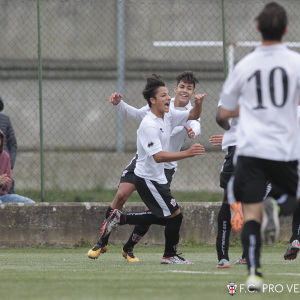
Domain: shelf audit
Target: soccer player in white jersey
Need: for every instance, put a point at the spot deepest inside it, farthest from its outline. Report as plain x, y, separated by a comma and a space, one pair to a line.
153, 138
184, 90
229, 216
263, 90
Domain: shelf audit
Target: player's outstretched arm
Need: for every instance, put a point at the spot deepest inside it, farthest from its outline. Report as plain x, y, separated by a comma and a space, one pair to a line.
222, 123
195, 112
164, 156
126, 109
224, 114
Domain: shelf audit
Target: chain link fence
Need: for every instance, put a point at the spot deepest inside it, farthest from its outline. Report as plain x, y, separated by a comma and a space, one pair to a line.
92, 48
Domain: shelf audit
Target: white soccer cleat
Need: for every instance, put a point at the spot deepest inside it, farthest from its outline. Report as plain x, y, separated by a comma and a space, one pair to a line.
175, 260
223, 264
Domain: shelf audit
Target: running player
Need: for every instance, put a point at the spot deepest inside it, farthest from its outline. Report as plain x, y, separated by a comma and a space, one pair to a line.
154, 85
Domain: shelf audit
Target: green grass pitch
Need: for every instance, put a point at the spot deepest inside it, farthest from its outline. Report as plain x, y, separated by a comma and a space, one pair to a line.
68, 274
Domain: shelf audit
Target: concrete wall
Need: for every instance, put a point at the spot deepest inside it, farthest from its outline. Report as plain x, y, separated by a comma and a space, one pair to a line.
61, 224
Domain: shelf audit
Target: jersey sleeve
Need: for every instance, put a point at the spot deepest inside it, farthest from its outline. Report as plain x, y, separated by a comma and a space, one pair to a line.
231, 91
195, 125
132, 112
179, 118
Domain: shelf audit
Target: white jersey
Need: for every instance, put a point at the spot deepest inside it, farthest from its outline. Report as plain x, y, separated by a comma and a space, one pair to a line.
266, 85
229, 137
179, 133
154, 136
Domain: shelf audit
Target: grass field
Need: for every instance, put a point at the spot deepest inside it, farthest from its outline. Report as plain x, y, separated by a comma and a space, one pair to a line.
67, 274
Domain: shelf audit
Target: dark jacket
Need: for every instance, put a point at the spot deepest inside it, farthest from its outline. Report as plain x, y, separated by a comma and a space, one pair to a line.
4, 166
10, 145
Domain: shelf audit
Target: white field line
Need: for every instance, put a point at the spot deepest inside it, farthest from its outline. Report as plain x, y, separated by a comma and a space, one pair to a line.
223, 273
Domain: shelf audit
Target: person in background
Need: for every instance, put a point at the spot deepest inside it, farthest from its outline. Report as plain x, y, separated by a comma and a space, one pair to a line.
5, 177
10, 145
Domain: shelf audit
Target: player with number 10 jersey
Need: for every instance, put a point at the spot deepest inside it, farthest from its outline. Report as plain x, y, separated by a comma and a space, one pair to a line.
268, 81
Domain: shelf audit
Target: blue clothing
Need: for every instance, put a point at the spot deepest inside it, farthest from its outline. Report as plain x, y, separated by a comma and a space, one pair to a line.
14, 198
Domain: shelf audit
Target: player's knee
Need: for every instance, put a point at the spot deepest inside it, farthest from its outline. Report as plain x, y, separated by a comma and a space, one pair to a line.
121, 198
176, 219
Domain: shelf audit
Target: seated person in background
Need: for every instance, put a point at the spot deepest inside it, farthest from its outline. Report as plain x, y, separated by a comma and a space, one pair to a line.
5, 177
10, 144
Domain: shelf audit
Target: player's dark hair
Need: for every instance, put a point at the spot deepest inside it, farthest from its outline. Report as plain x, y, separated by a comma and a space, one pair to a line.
187, 77
152, 85
272, 22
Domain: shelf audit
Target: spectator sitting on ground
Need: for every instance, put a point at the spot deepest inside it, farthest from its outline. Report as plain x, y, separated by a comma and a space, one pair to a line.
5, 177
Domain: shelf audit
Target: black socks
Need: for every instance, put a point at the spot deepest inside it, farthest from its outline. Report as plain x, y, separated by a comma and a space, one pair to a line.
224, 227
296, 224
142, 218
251, 241
138, 232
172, 235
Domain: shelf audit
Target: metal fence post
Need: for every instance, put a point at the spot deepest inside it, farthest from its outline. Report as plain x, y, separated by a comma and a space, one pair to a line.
40, 102
121, 71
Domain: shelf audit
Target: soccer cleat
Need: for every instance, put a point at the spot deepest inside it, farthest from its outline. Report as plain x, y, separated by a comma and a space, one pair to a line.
254, 283
241, 261
97, 250
175, 260
270, 223
223, 264
237, 216
292, 250
129, 255
112, 222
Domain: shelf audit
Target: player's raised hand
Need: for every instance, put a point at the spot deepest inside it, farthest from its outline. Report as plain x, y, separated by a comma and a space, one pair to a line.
216, 140
196, 149
115, 98
199, 98
190, 132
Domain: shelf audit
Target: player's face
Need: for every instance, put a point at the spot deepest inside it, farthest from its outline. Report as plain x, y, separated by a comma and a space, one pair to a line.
184, 92
161, 102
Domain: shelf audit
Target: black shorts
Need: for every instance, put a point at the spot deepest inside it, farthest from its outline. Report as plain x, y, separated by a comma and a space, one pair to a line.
157, 197
227, 168
127, 175
169, 175
252, 174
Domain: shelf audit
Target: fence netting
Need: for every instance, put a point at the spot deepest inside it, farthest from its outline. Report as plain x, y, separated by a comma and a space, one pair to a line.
92, 48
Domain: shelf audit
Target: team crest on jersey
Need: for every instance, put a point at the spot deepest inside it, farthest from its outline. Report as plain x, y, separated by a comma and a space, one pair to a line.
173, 202
124, 173
231, 288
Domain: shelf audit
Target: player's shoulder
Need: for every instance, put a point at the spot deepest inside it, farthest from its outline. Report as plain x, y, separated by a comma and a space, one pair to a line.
149, 120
